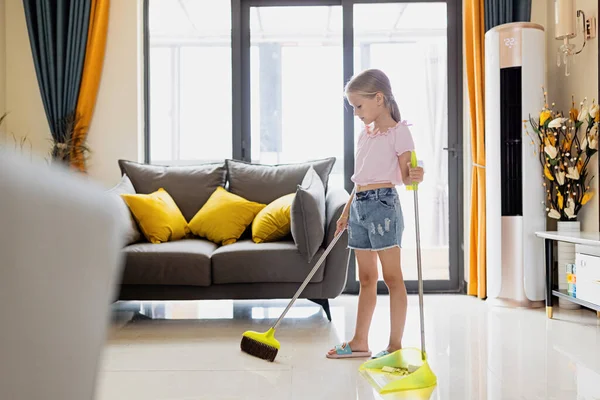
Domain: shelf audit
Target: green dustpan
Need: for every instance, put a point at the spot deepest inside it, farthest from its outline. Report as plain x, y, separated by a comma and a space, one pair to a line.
420, 375
388, 382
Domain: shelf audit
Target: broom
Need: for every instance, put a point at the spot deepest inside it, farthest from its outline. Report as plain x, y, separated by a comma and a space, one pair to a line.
264, 345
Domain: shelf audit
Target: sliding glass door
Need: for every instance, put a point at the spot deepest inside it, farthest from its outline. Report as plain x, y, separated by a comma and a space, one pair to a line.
409, 41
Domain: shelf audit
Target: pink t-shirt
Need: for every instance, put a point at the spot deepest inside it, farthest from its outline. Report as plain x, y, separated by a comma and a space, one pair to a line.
377, 155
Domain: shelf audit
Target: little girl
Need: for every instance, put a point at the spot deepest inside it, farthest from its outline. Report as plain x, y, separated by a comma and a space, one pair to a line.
373, 214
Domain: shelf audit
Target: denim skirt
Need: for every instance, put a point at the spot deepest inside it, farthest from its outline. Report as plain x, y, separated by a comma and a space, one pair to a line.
375, 221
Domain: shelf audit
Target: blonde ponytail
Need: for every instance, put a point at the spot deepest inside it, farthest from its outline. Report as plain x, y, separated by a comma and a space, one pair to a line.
394, 109
370, 82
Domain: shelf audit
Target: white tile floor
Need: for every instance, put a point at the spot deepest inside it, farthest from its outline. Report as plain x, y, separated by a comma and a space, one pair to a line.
476, 351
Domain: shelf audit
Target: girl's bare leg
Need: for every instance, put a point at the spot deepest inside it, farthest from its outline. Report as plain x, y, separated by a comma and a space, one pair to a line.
367, 299
392, 275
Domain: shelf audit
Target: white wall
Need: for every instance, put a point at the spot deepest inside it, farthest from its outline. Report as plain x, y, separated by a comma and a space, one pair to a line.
23, 102
116, 130
582, 82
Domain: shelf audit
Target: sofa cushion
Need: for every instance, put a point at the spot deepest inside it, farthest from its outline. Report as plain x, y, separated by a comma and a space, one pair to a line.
249, 262
190, 186
132, 233
224, 217
184, 262
308, 215
272, 223
264, 183
158, 216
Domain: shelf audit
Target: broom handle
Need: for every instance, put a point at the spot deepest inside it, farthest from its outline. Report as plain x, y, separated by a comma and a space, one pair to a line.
308, 278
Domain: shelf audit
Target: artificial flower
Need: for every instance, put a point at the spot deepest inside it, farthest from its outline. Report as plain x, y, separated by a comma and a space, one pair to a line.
573, 113
548, 174
564, 151
573, 173
560, 177
560, 200
570, 210
583, 114
584, 143
593, 143
554, 214
544, 116
556, 122
567, 143
587, 196
551, 151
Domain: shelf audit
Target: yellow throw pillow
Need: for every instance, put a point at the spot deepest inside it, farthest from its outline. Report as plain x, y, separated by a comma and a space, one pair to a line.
157, 215
273, 222
224, 217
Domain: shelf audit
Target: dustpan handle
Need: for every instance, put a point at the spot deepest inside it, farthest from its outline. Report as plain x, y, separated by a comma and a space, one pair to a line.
415, 189
308, 278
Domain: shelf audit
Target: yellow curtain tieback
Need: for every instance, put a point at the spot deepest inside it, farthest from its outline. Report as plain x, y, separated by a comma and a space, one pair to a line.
478, 165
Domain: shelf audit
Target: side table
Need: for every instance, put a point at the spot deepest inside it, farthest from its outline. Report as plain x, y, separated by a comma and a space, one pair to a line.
587, 239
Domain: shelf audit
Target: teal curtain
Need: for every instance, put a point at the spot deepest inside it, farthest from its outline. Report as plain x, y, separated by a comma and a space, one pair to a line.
498, 12
58, 32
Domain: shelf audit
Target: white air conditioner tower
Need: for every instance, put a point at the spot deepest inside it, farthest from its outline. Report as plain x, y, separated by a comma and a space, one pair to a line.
514, 80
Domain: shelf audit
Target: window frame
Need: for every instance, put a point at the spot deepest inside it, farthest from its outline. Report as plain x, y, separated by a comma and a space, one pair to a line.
241, 114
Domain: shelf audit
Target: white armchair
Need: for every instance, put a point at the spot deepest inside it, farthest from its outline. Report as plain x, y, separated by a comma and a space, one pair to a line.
60, 260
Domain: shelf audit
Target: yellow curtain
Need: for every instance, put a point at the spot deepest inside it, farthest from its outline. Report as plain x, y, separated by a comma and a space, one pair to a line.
92, 70
474, 50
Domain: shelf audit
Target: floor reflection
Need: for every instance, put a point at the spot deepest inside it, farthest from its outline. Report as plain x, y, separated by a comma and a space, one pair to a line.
217, 309
477, 352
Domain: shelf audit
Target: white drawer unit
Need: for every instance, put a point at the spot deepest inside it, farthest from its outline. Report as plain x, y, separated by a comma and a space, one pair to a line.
588, 277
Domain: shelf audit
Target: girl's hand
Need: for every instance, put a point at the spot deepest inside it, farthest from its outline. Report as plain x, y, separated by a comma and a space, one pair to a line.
342, 223
415, 174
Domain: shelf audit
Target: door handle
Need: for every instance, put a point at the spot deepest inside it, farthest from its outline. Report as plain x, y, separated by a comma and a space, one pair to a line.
453, 150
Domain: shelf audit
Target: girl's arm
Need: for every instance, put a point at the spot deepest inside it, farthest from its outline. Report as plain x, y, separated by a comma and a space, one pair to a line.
404, 162
346, 211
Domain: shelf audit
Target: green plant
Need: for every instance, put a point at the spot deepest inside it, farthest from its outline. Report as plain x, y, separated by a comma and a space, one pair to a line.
69, 145
18, 143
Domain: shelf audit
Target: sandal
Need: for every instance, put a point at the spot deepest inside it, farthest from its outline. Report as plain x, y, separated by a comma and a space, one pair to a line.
382, 353
344, 351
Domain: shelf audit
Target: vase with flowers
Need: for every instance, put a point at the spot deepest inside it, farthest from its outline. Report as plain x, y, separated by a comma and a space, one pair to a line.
565, 145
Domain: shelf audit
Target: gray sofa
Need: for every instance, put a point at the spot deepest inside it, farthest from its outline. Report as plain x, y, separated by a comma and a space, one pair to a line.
195, 268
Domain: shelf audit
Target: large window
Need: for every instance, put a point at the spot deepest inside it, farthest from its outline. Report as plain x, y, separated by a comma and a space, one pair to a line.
190, 81
262, 81
296, 85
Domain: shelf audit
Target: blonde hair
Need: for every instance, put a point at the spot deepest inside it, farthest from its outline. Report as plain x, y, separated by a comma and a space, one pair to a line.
370, 82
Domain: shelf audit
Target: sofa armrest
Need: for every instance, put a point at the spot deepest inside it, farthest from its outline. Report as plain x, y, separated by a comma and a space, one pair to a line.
335, 201
336, 265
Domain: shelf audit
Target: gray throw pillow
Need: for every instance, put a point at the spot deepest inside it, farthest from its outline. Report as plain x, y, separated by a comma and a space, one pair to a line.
189, 186
132, 233
264, 183
308, 215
